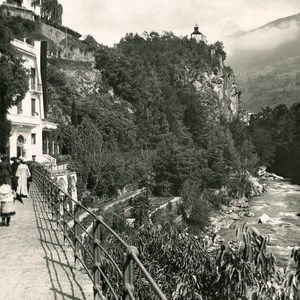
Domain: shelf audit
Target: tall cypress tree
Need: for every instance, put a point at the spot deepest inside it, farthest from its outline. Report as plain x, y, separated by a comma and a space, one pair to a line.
74, 117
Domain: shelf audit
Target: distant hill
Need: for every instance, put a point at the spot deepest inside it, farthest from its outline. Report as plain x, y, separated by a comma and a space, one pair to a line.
266, 61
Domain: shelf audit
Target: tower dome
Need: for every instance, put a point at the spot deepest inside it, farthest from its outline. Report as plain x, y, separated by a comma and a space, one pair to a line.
197, 35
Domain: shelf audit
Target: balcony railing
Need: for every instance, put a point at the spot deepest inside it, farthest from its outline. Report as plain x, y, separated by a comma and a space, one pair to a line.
35, 87
66, 211
23, 45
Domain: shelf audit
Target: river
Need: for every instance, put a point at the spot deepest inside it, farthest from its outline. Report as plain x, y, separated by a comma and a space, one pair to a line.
282, 204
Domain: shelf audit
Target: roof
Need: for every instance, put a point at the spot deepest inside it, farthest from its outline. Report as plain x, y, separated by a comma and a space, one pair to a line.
196, 30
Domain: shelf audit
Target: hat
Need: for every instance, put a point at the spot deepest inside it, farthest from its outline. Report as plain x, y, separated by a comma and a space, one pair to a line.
5, 189
13, 158
21, 158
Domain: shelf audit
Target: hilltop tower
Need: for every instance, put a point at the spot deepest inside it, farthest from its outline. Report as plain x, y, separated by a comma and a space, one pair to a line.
197, 35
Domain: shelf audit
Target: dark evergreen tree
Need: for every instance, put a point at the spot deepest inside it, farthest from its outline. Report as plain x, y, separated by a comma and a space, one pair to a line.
74, 117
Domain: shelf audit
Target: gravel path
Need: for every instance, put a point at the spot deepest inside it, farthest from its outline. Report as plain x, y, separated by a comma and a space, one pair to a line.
33, 264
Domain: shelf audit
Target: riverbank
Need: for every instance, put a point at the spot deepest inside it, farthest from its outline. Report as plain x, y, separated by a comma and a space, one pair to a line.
282, 205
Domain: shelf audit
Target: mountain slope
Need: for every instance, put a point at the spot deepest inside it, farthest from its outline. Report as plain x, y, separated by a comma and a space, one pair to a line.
266, 61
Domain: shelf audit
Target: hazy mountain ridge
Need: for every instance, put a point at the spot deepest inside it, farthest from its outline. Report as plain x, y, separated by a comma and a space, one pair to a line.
266, 61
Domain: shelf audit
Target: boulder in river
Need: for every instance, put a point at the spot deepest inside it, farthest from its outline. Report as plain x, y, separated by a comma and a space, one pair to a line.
225, 209
234, 216
249, 214
240, 203
264, 218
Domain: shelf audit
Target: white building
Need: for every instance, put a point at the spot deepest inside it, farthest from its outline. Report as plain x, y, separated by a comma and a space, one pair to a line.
29, 125
30, 129
24, 9
197, 35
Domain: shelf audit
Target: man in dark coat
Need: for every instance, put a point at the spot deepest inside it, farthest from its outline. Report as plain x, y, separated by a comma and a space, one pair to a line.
14, 178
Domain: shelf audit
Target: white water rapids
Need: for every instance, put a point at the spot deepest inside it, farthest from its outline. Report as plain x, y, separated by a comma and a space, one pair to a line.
282, 204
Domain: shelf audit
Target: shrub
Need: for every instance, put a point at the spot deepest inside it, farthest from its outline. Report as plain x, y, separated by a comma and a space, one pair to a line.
216, 198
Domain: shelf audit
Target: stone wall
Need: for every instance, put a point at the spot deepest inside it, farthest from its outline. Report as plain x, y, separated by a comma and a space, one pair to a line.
65, 45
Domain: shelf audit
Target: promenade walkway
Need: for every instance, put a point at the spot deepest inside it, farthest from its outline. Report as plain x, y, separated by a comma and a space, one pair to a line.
33, 264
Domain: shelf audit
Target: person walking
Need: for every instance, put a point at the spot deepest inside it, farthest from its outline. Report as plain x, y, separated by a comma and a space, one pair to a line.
7, 204
5, 171
14, 178
22, 173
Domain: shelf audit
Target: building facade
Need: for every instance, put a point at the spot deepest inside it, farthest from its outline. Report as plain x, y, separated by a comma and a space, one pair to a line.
25, 9
28, 117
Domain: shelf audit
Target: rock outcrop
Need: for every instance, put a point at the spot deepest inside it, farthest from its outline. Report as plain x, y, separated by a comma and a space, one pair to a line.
223, 84
262, 172
264, 218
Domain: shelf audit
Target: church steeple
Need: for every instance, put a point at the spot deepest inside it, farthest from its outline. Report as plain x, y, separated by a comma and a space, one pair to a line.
196, 29
197, 35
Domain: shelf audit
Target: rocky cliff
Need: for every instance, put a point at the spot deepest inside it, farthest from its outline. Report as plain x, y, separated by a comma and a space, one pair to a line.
223, 83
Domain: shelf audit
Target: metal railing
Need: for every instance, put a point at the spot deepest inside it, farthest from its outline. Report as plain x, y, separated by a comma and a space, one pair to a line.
65, 211
35, 87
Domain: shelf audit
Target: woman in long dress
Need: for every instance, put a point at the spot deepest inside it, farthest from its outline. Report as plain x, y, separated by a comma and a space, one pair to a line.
22, 173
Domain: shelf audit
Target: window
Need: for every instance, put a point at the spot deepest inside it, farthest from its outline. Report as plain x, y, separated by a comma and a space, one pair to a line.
32, 78
33, 108
20, 146
19, 105
33, 138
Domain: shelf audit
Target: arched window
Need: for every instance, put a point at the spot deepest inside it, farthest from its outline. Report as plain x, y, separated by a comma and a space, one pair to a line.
20, 146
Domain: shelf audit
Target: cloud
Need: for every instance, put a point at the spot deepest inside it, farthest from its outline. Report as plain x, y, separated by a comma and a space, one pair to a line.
109, 20
265, 38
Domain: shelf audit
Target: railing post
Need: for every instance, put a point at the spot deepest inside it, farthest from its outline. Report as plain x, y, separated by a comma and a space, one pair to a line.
77, 232
52, 202
47, 197
65, 214
97, 257
44, 186
58, 201
128, 287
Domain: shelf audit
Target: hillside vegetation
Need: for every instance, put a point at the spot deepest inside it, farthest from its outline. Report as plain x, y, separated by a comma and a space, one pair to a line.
162, 112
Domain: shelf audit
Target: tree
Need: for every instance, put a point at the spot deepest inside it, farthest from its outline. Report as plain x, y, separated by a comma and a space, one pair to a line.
196, 207
51, 11
141, 208
13, 80
92, 159
74, 117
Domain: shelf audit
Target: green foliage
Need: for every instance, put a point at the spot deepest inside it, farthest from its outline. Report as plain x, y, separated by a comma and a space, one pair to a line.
148, 104
114, 120
184, 269
51, 11
100, 167
216, 198
195, 205
59, 89
275, 134
22, 28
91, 43
141, 209
13, 78
5, 131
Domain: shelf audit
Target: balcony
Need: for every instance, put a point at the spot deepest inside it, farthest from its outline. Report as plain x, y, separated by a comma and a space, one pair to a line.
19, 119
23, 46
35, 87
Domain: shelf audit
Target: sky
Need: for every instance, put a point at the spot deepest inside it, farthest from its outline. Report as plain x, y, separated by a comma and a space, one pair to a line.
109, 20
